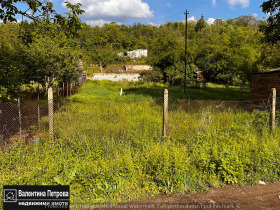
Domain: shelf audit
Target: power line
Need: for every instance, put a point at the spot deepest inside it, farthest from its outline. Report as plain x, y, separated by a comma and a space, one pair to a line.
165, 18
193, 5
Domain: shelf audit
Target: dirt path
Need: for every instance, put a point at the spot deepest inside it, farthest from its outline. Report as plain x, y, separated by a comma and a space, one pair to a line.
251, 198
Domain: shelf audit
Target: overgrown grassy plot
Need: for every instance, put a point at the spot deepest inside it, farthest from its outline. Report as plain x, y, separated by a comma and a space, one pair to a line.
109, 148
210, 92
139, 119
101, 91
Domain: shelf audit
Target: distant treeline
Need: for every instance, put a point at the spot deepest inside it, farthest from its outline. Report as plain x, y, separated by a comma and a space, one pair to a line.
226, 52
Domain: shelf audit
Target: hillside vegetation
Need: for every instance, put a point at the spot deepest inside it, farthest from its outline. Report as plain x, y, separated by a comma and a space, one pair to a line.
226, 52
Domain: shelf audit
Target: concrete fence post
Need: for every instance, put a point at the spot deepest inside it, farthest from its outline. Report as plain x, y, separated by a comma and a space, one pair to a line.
165, 114
273, 109
51, 114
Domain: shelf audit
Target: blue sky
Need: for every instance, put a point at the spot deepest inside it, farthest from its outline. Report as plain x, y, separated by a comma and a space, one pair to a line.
99, 12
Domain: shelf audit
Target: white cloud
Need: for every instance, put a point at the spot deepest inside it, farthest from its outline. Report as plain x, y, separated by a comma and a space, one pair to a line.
97, 22
255, 15
113, 10
213, 3
154, 24
210, 21
244, 3
192, 18
168, 5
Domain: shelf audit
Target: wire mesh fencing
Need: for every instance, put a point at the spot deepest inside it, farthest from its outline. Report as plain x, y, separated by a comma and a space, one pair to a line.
21, 119
144, 119
188, 117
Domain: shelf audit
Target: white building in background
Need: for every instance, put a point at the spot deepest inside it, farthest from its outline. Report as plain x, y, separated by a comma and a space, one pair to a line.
137, 53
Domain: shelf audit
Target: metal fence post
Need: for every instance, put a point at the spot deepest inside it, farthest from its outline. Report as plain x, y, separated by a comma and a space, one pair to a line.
165, 114
273, 109
19, 120
51, 114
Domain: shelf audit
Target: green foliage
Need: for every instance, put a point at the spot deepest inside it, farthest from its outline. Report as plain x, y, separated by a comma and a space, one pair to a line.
11, 71
42, 12
271, 29
49, 60
228, 56
28, 56
151, 76
227, 52
167, 54
270, 57
37, 51
201, 23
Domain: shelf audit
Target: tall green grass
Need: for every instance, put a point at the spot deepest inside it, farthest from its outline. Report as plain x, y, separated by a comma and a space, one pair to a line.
109, 147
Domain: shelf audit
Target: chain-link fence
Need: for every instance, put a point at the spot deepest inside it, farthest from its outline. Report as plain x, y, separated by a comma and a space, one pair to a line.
187, 117
20, 120
147, 118
151, 118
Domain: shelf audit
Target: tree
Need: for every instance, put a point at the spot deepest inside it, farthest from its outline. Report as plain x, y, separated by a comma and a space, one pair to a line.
167, 54
11, 71
38, 10
50, 60
270, 56
201, 23
272, 29
246, 20
228, 55
41, 51
219, 22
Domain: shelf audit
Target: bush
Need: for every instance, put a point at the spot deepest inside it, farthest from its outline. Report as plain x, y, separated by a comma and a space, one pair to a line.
151, 76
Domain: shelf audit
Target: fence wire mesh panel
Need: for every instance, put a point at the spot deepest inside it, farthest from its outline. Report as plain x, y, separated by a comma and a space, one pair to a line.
130, 119
26, 118
188, 117
22, 119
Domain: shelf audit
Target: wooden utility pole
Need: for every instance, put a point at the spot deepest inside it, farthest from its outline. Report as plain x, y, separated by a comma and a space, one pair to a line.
186, 47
